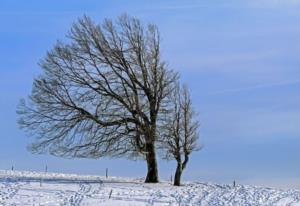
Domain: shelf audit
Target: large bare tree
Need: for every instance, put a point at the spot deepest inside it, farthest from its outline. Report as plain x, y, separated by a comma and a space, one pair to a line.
182, 131
101, 94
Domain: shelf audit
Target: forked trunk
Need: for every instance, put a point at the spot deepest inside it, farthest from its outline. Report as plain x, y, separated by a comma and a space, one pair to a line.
152, 174
177, 178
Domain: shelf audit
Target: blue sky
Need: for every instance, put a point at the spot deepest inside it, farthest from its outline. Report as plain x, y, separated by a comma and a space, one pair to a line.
239, 58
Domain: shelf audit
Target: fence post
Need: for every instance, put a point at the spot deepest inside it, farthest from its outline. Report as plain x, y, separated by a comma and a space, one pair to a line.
110, 193
106, 173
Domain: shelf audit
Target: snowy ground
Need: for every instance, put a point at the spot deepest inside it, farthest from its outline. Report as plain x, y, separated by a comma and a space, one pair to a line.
31, 188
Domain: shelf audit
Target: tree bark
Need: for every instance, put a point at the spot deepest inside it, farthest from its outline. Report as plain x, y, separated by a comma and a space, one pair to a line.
177, 178
152, 174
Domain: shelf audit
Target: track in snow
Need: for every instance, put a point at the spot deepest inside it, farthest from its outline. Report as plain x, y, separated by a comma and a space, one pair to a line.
24, 189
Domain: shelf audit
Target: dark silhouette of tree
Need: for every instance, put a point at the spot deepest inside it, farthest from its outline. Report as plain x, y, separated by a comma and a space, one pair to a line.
181, 128
102, 93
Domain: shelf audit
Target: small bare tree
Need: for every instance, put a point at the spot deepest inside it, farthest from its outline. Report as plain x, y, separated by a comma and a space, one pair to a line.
181, 136
101, 94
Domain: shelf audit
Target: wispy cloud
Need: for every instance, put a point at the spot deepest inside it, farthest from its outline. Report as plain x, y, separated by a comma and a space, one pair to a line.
278, 2
222, 62
256, 87
183, 6
285, 183
179, 5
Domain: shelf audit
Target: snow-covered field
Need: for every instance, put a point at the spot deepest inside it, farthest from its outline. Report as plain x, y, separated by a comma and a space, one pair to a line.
32, 188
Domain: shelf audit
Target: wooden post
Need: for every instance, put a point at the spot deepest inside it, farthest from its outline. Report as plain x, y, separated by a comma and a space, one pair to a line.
46, 169
234, 184
12, 168
106, 173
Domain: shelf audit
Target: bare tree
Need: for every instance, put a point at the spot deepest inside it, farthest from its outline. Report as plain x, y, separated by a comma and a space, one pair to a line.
101, 94
181, 136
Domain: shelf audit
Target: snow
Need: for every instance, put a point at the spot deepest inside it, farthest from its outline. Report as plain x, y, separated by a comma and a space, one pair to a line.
54, 189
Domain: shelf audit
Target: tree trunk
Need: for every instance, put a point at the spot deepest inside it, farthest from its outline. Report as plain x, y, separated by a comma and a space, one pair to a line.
178, 173
152, 174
